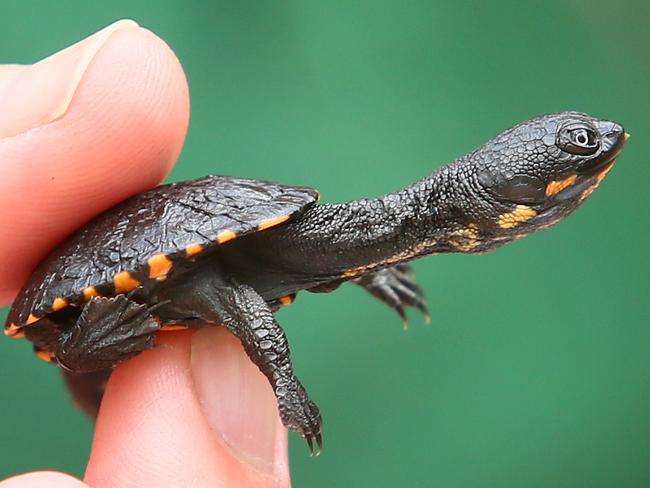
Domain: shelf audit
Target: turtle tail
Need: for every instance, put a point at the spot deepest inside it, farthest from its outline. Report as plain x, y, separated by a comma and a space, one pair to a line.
87, 389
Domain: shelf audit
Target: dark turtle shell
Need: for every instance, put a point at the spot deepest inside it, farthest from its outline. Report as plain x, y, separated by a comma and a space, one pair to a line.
139, 241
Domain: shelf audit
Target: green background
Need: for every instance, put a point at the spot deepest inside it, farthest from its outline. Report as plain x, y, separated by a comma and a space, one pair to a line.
535, 371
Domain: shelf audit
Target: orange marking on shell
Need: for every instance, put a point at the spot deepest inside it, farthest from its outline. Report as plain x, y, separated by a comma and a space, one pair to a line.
14, 331
159, 266
225, 236
124, 282
90, 292
193, 249
59, 303
555, 187
268, 223
173, 327
44, 355
286, 300
31, 319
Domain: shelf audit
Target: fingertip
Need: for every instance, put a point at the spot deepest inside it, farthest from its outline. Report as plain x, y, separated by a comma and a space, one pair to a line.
238, 402
41, 93
151, 430
7, 71
43, 479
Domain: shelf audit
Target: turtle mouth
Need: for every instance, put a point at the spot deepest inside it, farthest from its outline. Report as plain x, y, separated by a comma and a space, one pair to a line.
590, 175
613, 142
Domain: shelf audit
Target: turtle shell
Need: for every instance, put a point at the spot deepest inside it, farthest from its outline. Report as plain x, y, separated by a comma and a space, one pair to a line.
139, 241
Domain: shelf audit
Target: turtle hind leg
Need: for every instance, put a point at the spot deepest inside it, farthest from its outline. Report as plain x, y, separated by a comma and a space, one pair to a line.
245, 313
397, 288
107, 332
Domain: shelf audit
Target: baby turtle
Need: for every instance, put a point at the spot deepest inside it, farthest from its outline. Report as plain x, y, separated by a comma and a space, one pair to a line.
231, 251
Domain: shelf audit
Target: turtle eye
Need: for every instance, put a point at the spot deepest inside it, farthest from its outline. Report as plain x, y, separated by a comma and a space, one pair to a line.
582, 137
578, 140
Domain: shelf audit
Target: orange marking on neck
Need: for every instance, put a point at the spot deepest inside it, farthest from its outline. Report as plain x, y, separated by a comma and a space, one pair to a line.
400, 257
466, 239
603, 173
286, 300
225, 236
124, 282
159, 266
599, 178
268, 223
520, 214
555, 187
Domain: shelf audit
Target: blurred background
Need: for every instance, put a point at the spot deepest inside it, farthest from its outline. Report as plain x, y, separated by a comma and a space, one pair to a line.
535, 370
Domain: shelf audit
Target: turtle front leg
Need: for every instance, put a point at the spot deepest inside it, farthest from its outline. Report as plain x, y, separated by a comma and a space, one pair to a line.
397, 288
245, 313
107, 332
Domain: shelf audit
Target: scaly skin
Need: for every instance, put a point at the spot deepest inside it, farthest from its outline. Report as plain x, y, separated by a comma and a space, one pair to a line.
520, 182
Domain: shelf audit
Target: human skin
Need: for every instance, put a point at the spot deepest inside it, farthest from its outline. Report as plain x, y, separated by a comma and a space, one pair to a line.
88, 127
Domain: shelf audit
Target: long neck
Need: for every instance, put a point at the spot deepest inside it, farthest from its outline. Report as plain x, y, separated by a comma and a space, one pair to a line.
347, 239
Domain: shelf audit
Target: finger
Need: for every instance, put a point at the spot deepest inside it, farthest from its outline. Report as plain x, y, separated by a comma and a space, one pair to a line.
7, 70
80, 131
42, 479
195, 408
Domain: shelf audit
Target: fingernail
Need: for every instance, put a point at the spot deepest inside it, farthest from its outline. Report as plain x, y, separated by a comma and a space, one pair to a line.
36, 95
238, 402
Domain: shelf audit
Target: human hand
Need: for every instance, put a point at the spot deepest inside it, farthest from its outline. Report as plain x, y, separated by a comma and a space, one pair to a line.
80, 131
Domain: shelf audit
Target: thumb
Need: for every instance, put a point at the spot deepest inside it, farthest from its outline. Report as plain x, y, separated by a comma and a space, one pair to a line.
194, 408
80, 131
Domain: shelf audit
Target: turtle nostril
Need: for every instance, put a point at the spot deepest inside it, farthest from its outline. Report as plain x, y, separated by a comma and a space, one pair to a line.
613, 135
609, 129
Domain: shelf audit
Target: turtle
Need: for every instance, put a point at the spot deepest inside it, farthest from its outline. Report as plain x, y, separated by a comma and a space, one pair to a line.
227, 251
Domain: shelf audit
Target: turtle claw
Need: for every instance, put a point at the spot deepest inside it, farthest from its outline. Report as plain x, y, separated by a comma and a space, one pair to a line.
402, 314
314, 451
425, 312
300, 414
396, 287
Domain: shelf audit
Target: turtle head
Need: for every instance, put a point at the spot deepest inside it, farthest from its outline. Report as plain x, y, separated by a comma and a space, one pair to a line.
534, 174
